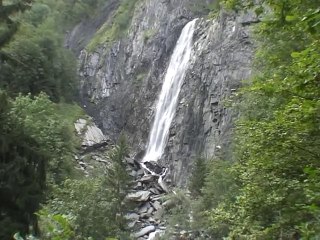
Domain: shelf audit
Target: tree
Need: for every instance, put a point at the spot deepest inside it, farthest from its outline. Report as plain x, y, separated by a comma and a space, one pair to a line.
6, 18
95, 206
118, 181
22, 174
198, 176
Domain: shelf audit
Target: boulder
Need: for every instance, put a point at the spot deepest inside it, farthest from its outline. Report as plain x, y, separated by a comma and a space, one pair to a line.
140, 196
132, 216
144, 231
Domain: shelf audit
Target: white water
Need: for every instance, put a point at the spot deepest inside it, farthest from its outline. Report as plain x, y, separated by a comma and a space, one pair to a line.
166, 106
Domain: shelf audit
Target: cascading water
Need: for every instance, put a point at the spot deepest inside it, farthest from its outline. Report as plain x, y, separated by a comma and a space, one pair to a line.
167, 102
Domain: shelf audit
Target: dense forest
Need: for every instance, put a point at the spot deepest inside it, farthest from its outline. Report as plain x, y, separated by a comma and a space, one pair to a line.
38, 81
268, 187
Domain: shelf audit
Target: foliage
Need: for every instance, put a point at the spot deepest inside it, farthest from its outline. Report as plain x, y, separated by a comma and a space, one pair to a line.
33, 142
8, 12
178, 213
51, 127
56, 227
37, 63
205, 7
86, 203
198, 176
115, 28
37, 136
148, 34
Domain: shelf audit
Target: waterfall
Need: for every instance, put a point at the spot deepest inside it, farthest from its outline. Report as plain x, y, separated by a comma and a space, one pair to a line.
168, 98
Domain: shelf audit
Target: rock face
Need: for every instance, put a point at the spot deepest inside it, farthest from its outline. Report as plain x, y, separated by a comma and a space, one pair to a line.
120, 82
90, 134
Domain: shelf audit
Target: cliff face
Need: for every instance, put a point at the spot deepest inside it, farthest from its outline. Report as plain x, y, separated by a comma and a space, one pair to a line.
120, 82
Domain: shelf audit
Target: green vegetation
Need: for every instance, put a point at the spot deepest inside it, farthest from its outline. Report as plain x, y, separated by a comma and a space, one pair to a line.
205, 8
116, 27
93, 207
271, 191
35, 152
149, 34
37, 86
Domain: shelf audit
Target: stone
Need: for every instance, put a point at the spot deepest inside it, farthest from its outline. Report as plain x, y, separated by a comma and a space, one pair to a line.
132, 224
156, 205
91, 135
133, 173
132, 216
147, 178
140, 172
130, 161
79, 125
155, 235
144, 208
144, 231
139, 196
159, 214
150, 210
155, 191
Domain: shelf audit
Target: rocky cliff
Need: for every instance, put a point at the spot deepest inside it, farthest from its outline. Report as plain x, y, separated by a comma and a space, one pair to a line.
120, 81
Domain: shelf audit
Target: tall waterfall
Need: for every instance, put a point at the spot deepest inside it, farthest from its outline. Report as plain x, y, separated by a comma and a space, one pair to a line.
167, 102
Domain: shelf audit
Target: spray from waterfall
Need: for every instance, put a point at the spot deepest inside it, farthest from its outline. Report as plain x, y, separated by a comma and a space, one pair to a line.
167, 102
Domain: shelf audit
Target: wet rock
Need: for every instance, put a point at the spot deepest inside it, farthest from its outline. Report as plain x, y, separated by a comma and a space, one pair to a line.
140, 172
147, 178
133, 173
155, 191
153, 166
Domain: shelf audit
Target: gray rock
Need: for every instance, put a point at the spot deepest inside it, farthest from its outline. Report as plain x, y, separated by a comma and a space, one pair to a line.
140, 196
140, 172
150, 211
144, 231
144, 208
147, 178
132, 216
132, 224
155, 191
130, 161
156, 205
91, 135
133, 173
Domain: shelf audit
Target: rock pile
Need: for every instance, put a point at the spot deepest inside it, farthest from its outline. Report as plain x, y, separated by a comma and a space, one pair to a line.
148, 192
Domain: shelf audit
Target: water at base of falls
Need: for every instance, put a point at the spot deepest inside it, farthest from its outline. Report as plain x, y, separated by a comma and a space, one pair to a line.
168, 98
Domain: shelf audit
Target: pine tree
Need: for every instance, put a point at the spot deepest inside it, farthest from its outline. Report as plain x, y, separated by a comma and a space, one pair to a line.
118, 180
